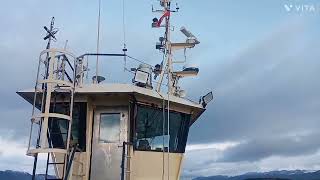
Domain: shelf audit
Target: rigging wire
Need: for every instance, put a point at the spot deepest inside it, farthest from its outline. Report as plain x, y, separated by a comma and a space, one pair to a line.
168, 106
163, 128
140, 61
87, 75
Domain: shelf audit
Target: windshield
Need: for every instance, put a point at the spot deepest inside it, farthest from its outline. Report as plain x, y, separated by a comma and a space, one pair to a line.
151, 133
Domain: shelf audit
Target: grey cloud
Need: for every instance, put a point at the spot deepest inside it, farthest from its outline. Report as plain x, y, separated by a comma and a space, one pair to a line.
309, 162
258, 149
270, 88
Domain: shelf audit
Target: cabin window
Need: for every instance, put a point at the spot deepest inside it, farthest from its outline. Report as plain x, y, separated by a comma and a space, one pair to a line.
109, 131
151, 132
59, 127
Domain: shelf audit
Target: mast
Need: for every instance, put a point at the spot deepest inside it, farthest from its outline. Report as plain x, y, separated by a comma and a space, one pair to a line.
168, 67
167, 51
167, 47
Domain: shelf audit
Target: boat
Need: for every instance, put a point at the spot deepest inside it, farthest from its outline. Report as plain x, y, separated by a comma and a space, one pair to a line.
89, 128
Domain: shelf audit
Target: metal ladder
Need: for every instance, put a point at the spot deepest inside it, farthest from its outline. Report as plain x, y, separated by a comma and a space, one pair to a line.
53, 66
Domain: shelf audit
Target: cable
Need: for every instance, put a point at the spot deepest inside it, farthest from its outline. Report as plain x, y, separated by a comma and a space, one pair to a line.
168, 125
163, 132
139, 60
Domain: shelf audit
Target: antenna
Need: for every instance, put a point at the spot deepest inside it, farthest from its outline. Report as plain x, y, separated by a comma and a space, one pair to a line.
191, 38
50, 33
186, 32
98, 44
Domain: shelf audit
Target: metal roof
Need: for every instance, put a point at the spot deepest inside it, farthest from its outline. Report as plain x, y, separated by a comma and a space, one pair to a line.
28, 94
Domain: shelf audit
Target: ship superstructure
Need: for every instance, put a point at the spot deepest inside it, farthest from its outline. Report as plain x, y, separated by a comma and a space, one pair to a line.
106, 131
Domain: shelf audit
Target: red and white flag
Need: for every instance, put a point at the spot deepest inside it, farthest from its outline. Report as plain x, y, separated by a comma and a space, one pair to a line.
166, 14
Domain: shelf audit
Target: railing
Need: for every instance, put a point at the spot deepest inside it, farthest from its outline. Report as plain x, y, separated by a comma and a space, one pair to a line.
125, 159
112, 64
70, 160
55, 75
55, 81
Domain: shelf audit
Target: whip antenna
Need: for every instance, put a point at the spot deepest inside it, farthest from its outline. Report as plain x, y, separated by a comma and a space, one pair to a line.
98, 44
124, 36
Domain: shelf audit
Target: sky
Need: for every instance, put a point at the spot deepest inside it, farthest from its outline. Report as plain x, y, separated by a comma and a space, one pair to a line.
260, 59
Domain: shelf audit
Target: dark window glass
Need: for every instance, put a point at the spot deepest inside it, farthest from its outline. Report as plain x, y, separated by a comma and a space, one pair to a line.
59, 127
151, 133
109, 131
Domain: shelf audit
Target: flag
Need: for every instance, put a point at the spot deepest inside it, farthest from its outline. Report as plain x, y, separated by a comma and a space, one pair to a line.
166, 14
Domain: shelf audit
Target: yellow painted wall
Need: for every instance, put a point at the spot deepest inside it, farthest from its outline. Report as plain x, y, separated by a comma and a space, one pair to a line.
150, 165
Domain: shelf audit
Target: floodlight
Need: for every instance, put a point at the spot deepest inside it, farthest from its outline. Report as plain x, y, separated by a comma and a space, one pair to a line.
182, 93
141, 77
207, 99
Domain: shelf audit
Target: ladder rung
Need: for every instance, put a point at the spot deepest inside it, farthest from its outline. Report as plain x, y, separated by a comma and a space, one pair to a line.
56, 163
57, 133
78, 162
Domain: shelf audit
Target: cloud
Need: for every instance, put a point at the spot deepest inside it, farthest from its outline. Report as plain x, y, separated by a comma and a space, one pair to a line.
210, 161
218, 146
258, 149
203, 154
13, 154
269, 88
266, 99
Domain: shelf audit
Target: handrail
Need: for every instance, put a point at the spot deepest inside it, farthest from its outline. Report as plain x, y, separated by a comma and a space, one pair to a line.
69, 161
100, 54
65, 57
124, 145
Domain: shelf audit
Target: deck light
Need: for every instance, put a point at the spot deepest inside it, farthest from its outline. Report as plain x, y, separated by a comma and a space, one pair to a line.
141, 77
207, 99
